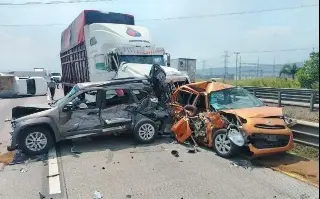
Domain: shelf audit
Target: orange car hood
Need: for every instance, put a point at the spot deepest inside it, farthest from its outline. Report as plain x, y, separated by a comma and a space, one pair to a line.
257, 112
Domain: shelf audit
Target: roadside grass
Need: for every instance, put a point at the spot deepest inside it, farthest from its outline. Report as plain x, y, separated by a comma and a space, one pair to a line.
264, 82
305, 151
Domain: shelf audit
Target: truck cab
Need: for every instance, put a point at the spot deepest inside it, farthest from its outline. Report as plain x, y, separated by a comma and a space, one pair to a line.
110, 47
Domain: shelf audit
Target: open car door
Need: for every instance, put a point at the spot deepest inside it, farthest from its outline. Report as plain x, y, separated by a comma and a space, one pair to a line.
162, 90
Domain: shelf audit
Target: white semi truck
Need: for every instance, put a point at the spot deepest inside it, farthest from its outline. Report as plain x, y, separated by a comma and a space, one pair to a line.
102, 46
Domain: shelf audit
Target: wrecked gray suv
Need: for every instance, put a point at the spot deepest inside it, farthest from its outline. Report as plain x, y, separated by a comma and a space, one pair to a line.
133, 105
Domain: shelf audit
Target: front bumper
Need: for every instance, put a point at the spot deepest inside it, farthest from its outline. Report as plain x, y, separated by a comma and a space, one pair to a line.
272, 150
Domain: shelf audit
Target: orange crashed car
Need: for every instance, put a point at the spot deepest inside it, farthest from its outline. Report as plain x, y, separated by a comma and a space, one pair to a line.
230, 111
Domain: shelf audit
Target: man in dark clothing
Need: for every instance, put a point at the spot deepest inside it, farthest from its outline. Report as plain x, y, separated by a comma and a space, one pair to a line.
52, 87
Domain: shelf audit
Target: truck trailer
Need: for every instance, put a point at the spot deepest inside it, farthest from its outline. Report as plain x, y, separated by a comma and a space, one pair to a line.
186, 66
101, 46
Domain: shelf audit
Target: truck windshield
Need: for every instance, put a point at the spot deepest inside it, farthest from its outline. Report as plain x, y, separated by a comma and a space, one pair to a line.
55, 74
143, 59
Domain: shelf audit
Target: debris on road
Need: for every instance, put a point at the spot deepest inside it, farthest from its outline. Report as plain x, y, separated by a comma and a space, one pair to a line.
194, 150
242, 163
73, 151
41, 196
175, 153
103, 168
128, 196
97, 195
23, 170
7, 120
54, 175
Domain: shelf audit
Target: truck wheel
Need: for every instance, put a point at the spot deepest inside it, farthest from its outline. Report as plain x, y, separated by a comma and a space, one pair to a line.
35, 141
145, 131
222, 145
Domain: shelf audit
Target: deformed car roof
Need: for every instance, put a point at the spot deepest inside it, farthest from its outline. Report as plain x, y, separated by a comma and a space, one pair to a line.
206, 86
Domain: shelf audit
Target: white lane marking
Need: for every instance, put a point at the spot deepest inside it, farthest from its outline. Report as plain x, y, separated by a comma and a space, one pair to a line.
54, 179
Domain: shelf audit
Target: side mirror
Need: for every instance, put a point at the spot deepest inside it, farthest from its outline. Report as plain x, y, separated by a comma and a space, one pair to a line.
168, 59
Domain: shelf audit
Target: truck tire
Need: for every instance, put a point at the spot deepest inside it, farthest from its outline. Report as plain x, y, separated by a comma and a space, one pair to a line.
145, 131
222, 145
35, 140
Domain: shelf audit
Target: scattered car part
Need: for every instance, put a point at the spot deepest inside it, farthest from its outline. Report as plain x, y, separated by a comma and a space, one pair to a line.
175, 153
97, 195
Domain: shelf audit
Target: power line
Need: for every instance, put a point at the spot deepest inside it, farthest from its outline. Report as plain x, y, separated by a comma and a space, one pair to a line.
182, 17
34, 3
282, 50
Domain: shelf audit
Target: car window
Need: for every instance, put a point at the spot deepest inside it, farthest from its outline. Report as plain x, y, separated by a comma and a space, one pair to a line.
201, 102
89, 98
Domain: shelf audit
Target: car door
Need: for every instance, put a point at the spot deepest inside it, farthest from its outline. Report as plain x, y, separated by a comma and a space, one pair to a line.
113, 114
83, 115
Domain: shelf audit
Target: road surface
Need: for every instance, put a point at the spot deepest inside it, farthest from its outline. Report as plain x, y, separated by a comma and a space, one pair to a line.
118, 168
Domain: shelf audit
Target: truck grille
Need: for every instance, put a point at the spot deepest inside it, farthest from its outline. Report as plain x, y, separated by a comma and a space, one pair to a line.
265, 126
263, 141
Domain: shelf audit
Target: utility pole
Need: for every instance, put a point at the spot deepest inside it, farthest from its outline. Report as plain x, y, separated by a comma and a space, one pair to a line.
274, 66
226, 61
240, 69
237, 54
257, 73
203, 66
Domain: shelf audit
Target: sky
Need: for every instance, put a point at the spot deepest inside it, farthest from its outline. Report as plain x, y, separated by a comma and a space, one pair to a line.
202, 38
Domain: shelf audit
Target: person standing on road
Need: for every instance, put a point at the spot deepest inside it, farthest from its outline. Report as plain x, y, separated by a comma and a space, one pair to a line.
57, 82
52, 87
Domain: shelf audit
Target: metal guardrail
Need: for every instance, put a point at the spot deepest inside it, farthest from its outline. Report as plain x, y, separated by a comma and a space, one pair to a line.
303, 97
306, 133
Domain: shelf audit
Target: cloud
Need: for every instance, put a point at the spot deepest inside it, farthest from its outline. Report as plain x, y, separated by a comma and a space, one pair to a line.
269, 31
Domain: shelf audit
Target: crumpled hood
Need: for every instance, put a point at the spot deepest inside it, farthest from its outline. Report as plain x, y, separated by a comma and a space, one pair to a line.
140, 70
257, 112
28, 109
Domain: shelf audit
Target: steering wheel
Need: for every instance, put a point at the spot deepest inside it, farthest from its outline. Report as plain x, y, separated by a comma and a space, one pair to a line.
189, 110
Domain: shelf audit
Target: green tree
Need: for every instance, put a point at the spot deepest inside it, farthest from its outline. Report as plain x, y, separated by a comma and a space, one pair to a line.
308, 75
289, 69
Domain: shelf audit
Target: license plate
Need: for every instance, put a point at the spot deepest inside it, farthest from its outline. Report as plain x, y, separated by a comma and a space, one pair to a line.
272, 138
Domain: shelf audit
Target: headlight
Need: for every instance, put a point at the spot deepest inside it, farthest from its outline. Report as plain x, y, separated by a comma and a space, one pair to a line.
235, 135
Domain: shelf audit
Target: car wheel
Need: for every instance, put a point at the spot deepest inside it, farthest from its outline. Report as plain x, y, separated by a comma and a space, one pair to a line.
222, 145
145, 131
35, 141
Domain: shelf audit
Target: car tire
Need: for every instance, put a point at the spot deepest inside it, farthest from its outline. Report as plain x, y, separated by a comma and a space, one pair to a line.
222, 145
35, 141
145, 131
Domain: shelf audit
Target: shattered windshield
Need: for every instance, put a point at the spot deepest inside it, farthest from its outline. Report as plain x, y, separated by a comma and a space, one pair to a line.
233, 98
143, 59
73, 91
